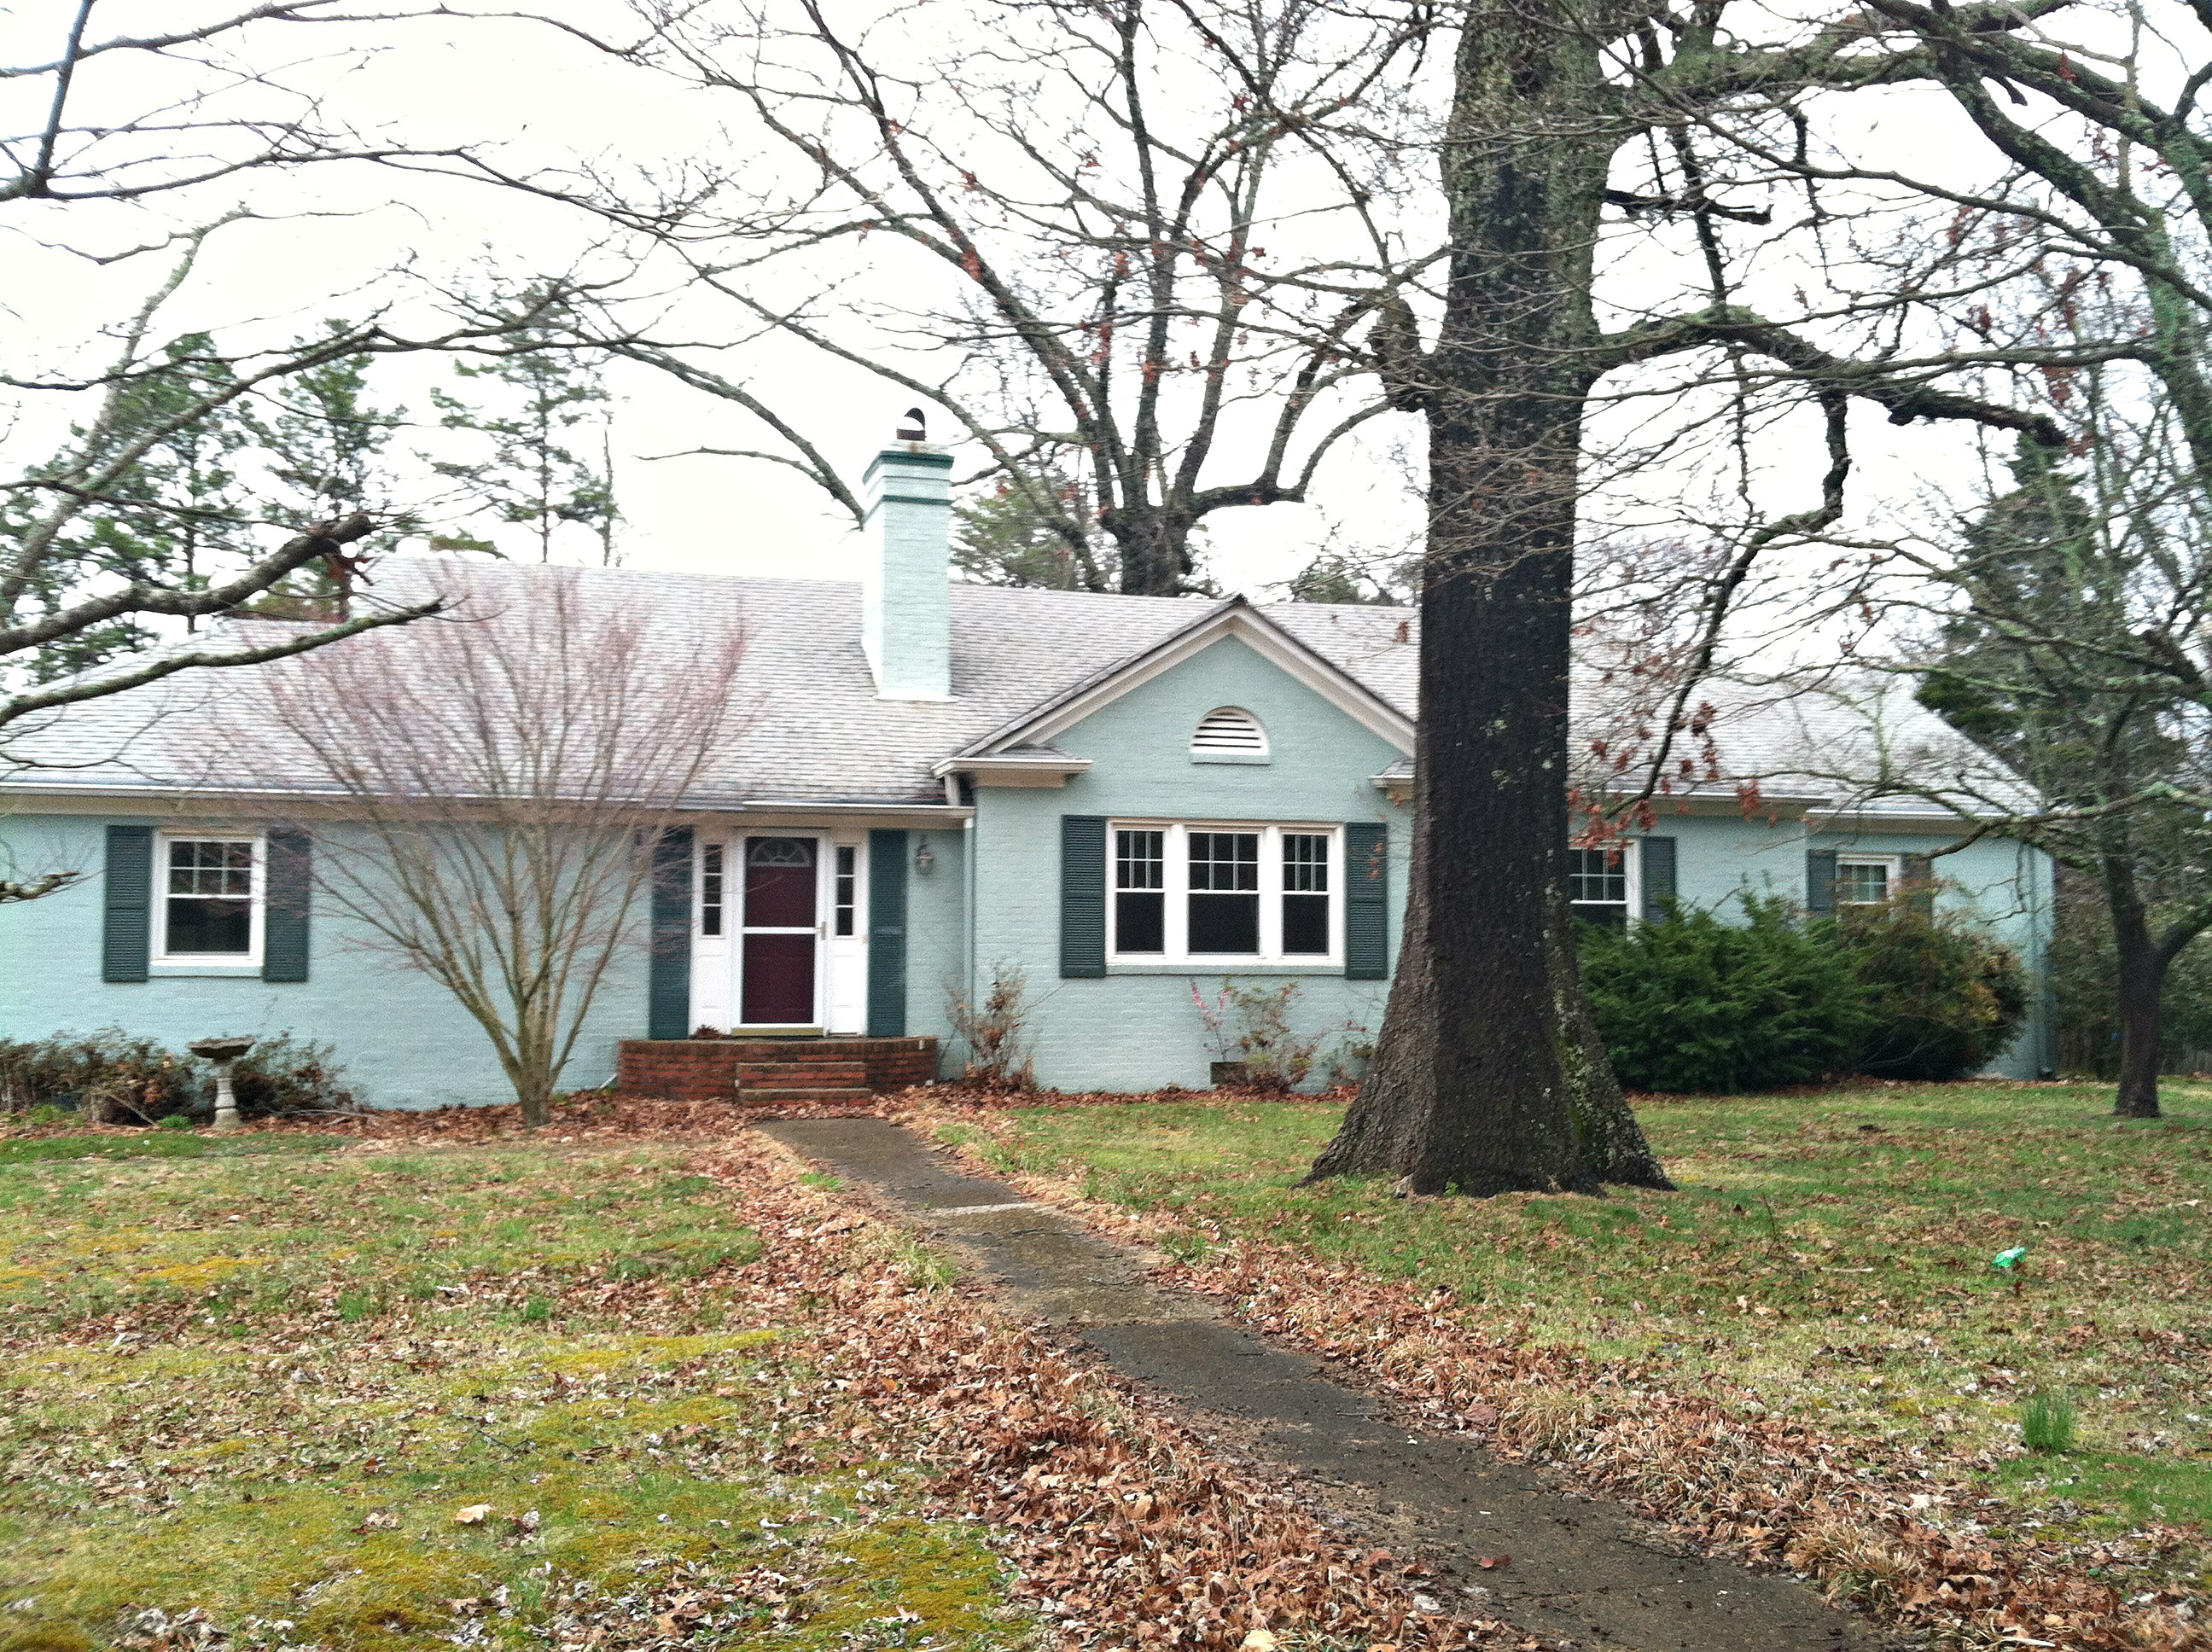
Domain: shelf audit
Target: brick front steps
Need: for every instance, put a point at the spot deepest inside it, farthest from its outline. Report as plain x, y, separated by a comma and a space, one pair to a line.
765, 1071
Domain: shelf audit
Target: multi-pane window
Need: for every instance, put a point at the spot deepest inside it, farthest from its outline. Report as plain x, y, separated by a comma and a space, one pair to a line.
1306, 894
1140, 882
1597, 885
847, 901
208, 896
1862, 882
1225, 892
1209, 894
710, 888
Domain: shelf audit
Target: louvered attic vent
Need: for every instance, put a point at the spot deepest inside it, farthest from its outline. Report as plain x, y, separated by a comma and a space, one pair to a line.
1228, 733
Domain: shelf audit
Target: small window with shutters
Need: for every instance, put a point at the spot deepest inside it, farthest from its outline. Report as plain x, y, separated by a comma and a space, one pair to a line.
1865, 880
1617, 883
208, 907
1597, 886
1229, 735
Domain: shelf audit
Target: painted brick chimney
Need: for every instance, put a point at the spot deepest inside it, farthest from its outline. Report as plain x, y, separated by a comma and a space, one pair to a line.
906, 616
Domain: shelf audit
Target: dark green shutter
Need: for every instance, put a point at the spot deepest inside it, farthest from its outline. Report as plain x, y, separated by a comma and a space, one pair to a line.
1657, 874
1366, 901
1821, 883
668, 975
127, 930
1083, 896
284, 899
1920, 882
886, 934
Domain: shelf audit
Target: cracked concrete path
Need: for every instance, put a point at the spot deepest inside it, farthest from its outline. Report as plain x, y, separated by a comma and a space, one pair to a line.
1581, 1569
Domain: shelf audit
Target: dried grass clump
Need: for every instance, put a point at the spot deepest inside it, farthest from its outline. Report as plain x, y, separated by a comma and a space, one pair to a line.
1549, 1420
1855, 1561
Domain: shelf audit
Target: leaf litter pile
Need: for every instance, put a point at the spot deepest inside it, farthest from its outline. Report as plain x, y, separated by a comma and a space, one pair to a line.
1900, 1532
631, 1382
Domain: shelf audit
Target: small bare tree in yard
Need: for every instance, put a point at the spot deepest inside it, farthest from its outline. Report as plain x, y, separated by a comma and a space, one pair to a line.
498, 783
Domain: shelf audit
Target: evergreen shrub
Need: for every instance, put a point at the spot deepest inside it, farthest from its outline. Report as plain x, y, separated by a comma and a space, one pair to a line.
1942, 996
1694, 1003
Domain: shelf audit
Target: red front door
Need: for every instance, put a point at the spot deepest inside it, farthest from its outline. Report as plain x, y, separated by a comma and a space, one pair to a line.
781, 929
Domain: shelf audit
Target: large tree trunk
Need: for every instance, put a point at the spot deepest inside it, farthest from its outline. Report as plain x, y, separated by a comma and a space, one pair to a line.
1154, 542
1488, 1075
2142, 966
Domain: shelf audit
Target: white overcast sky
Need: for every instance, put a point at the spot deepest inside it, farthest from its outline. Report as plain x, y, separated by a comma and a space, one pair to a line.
333, 232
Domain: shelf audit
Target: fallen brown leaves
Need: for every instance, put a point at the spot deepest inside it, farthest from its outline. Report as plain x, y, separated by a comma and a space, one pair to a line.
1128, 1531
1767, 1488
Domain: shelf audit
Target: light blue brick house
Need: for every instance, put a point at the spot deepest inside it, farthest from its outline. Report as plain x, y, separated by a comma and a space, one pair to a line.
1128, 800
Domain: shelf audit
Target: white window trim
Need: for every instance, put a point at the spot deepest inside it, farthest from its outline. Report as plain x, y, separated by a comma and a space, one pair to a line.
1892, 864
257, 903
1174, 953
1632, 863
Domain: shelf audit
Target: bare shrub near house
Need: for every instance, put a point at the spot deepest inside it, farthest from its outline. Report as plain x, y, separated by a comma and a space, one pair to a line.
995, 1030
1249, 1028
499, 785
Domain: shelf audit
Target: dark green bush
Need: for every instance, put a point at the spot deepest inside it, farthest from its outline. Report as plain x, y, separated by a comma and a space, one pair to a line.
110, 1076
1942, 996
1692, 1003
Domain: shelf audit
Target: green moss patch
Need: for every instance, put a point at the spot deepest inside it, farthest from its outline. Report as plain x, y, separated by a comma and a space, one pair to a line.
370, 1402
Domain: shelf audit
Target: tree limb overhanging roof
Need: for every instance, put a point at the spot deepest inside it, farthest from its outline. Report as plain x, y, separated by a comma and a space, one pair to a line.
1026, 666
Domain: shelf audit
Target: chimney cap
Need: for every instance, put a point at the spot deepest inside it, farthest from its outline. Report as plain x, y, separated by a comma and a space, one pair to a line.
913, 426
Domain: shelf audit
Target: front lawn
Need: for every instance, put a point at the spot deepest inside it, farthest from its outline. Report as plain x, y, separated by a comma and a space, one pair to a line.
1828, 1255
259, 1388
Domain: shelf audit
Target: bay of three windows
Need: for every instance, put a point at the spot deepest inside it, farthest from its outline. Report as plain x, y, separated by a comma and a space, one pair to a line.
1253, 893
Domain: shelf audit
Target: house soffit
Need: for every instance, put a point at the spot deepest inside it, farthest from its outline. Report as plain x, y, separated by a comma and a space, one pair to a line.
1233, 618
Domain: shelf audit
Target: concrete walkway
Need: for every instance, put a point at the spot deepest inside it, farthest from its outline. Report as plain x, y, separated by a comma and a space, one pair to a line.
1581, 1570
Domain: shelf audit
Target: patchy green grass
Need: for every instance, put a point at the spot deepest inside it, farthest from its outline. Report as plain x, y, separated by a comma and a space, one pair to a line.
1829, 1253
374, 1398
30, 1149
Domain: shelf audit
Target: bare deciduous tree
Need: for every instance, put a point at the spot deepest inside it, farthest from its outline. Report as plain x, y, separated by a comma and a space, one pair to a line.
496, 782
1131, 250
226, 107
1488, 1073
124, 137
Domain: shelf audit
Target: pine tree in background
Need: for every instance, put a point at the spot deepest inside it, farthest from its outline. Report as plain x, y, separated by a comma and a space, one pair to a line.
171, 516
541, 472
2062, 665
1333, 577
323, 447
1009, 536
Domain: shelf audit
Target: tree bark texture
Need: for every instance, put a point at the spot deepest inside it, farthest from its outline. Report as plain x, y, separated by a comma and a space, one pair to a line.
1488, 1075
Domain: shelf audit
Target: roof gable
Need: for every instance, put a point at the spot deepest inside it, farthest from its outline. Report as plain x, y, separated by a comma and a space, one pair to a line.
1233, 618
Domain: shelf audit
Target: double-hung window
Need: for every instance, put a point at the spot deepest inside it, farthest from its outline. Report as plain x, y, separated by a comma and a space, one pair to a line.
208, 901
1864, 880
1597, 885
1225, 895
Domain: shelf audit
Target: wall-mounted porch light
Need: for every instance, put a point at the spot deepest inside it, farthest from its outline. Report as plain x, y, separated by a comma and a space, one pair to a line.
923, 859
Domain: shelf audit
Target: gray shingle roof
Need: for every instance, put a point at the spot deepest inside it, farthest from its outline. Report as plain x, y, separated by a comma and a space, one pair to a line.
817, 731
